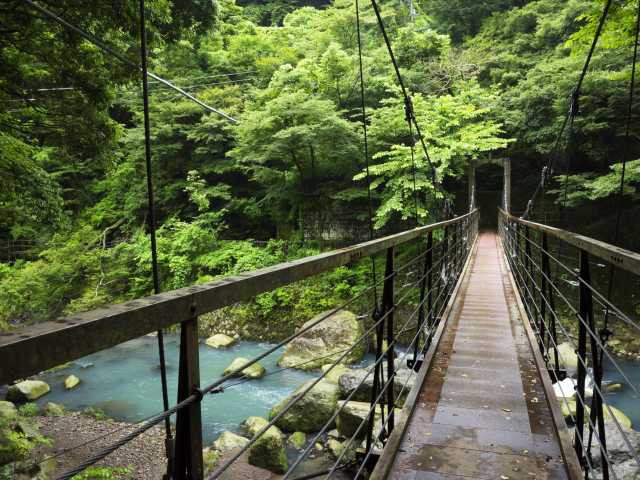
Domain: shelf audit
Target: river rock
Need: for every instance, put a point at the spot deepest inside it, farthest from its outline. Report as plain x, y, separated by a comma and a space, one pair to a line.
268, 451
252, 425
352, 414
229, 441
252, 371
220, 340
566, 356
53, 410
336, 447
328, 339
27, 390
297, 440
334, 374
362, 380
8, 410
568, 408
71, 382
617, 448
312, 411
612, 387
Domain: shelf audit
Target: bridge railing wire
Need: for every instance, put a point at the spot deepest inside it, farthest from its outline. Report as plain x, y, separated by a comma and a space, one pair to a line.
558, 296
425, 294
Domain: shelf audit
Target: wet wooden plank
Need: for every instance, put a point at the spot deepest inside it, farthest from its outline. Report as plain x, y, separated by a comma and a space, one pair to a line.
481, 411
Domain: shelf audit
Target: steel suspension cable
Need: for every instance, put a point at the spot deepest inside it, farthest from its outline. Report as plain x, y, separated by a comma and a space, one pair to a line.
151, 216
366, 150
575, 94
405, 94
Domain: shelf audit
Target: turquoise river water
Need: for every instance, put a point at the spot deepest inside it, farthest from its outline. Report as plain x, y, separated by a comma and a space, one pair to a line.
124, 381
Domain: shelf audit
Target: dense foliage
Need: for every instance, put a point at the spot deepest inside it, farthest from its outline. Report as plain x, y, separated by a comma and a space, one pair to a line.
488, 79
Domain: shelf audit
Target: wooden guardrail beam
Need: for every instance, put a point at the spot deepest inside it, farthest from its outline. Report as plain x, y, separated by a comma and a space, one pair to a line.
32, 349
619, 257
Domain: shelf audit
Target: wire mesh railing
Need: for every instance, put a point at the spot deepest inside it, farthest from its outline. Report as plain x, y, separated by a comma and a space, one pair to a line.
421, 268
574, 323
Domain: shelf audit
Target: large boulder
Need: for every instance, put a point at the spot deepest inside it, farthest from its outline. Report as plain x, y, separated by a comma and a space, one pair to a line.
27, 391
325, 342
220, 340
352, 414
361, 381
334, 373
252, 371
229, 441
268, 451
8, 410
567, 356
312, 411
617, 449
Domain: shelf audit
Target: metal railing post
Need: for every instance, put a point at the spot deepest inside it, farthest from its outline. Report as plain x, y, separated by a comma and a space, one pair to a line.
429, 290
389, 307
586, 310
188, 447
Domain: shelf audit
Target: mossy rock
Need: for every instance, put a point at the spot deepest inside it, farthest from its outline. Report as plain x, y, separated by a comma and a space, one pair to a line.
71, 382
269, 452
220, 340
334, 374
336, 447
210, 460
8, 410
326, 342
312, 411
569, 410
229, 441
27, 390
252, 371
51, 409
253, 425
352, 414
566, 356
297, 440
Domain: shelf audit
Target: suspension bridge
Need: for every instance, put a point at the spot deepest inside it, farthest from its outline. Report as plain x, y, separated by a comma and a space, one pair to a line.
478, 319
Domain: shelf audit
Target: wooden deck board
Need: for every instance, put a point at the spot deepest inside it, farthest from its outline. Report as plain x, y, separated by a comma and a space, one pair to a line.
481, 412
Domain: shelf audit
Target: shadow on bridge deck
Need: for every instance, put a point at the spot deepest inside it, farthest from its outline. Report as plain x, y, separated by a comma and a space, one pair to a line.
482, 411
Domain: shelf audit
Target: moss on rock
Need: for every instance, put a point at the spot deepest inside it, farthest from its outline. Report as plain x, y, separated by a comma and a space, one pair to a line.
252, 371
220, 340
27, 390
326, 342
312, 411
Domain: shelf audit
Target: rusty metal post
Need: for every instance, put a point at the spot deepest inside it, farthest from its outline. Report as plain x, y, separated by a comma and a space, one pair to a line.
546, 268
430, 290
544, 293
377, 374
388, 301
188, 446
586, 310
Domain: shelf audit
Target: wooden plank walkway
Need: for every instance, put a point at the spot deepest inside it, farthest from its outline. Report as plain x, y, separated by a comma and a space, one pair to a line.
482, 411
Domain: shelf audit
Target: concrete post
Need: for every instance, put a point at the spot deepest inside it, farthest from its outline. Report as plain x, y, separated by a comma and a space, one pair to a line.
506, 189
472, 186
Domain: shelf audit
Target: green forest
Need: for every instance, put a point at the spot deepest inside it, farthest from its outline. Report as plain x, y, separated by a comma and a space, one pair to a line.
489, 80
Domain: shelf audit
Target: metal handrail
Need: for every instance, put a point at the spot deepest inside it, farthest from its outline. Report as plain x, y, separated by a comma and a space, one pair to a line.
621, 258
35, 348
